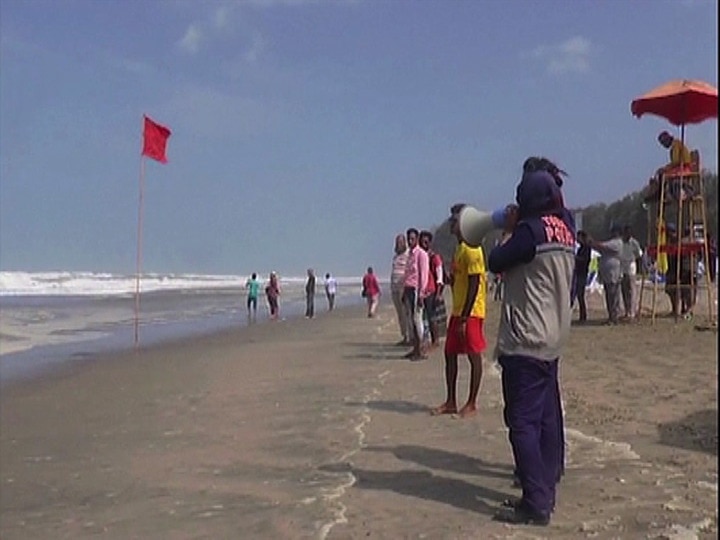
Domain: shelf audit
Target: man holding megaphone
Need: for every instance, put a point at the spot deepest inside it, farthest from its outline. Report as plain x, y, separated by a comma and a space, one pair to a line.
536, 259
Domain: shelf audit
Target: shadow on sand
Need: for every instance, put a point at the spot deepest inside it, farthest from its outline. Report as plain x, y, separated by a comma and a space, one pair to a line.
435, 458
426, 485
590, 323
697, 431
399, 406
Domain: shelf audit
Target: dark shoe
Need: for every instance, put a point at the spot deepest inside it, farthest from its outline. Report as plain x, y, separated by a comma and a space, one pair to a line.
418, 357
403, 343
514, 502
519, 515
410, 354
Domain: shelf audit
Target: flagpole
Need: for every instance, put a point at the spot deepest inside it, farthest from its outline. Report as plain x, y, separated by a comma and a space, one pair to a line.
139, 250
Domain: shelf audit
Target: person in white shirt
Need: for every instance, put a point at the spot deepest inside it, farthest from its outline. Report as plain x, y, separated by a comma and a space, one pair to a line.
397, 288
631, 253
330, 290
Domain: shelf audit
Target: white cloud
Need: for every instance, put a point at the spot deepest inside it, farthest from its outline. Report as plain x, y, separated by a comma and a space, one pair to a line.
256, 48
222, 22
221, 17
190, 42
572, 55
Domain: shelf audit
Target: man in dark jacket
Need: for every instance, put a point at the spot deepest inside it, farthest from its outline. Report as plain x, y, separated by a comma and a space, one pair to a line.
580, 274
536, 262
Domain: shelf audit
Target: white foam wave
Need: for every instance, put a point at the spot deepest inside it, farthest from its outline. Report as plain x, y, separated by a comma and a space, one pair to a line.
66, 283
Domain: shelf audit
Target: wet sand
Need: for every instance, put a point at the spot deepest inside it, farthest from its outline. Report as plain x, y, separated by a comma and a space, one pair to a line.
319, 429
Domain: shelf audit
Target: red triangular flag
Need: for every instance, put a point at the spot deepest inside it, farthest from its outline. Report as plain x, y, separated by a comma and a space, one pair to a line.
155, 139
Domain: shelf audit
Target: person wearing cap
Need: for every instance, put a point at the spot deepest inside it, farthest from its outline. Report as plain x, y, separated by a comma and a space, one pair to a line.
536, 260
465, 327
610, 271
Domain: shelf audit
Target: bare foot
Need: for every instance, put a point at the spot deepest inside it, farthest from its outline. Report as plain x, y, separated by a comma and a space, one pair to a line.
445, 408
468, 410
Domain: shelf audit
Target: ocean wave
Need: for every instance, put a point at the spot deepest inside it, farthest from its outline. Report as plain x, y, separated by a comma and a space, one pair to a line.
68, 283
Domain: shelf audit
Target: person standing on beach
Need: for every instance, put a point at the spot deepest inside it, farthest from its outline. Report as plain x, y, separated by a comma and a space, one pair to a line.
330, 290
536, 261
610, 271
310, 294
371, 291
272, 292
580, 274
397, 288
434, 288
416, 276
629, 257
465, 329
253, 288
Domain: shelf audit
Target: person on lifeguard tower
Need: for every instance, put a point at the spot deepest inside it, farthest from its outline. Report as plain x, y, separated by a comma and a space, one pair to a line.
679, 153
681, 158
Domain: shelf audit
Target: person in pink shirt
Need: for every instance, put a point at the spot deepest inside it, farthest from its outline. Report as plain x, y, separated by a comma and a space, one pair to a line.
371, 291
417, 271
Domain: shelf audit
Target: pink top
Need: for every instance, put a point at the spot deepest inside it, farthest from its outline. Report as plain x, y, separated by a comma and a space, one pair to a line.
417, 271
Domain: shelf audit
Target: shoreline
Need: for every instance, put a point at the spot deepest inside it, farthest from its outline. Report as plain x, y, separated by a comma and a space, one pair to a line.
320, 429
102, 332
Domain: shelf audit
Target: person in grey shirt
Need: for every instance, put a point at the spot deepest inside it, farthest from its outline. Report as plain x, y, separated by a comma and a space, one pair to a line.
631, 253
610, 270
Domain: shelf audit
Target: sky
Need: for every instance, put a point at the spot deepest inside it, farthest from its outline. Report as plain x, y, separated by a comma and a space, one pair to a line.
309, 133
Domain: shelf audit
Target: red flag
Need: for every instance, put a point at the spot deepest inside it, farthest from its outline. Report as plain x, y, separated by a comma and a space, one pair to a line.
155, 139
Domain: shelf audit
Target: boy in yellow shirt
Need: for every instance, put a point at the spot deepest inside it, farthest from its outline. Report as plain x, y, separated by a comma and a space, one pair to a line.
465, 328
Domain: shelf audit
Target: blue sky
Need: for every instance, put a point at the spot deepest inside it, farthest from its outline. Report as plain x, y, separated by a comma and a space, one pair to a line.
309, 133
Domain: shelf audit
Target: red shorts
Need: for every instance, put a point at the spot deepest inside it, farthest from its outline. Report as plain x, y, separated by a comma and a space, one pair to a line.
474, 341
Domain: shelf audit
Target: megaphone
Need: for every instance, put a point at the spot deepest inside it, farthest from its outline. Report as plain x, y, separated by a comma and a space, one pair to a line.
476, 224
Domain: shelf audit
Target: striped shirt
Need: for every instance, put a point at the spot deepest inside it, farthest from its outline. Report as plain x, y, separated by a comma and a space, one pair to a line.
397, 274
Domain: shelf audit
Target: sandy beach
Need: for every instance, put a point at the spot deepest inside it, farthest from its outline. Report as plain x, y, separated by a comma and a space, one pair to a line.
319, 429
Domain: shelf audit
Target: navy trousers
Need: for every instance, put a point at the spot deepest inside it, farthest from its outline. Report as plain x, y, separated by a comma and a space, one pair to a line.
533, 416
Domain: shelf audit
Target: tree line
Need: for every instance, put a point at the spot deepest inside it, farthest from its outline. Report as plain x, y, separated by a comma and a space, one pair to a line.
597, 219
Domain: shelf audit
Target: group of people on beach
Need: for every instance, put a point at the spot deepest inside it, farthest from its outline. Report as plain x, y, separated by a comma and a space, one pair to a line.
417, 281
272, 294
622, 259
536, 259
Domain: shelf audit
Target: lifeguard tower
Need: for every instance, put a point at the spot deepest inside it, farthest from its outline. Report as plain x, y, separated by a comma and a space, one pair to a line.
678, 197
679, 202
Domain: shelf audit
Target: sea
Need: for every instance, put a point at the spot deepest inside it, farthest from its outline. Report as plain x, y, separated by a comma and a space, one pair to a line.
51, 318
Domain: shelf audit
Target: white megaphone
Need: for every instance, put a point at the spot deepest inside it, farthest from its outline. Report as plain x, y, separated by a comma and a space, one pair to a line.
476, 224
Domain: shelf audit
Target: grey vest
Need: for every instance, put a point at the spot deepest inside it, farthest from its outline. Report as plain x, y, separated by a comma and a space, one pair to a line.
535, 319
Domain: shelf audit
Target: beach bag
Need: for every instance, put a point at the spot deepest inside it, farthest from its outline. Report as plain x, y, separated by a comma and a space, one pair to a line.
363, 293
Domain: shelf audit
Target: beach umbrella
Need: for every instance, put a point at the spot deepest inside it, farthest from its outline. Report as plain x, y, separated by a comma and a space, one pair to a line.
679, 101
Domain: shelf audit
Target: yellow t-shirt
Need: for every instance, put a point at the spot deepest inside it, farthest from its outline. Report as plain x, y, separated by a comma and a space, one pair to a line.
468, 261
679, 154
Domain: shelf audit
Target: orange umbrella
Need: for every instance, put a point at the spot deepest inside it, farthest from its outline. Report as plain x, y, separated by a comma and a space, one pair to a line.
680, 101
